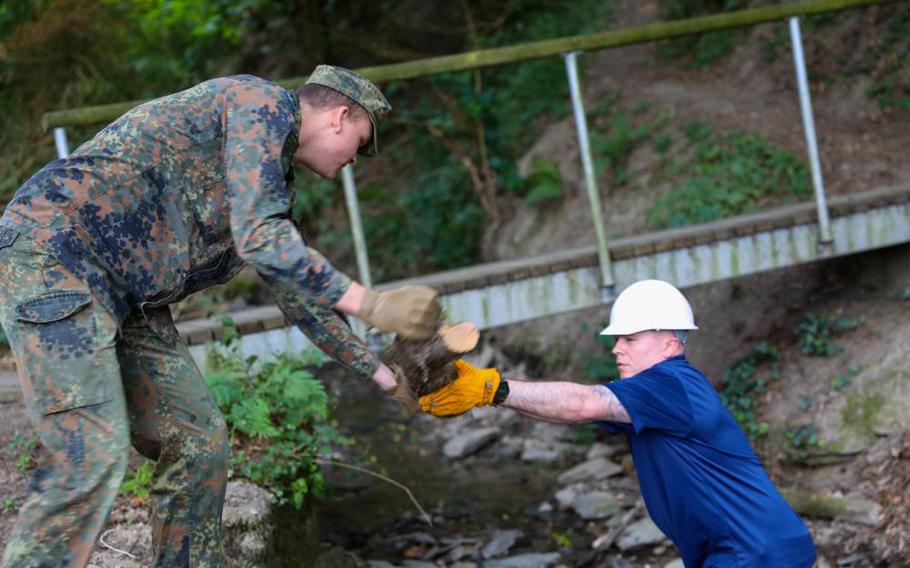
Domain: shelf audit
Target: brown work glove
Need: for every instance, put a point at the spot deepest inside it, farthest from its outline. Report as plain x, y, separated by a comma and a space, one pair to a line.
402, 392
410, 311
473, 387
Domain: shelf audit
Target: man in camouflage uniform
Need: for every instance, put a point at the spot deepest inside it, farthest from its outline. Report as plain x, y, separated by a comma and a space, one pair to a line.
173, 197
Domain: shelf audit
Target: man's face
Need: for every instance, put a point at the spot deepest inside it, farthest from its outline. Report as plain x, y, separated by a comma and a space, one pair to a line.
330, 140
640, 351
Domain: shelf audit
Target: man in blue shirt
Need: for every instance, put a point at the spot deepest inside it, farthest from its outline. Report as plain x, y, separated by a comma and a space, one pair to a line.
702, 483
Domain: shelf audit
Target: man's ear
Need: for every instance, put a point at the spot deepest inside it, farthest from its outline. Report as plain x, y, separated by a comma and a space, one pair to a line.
672, 344
339, 115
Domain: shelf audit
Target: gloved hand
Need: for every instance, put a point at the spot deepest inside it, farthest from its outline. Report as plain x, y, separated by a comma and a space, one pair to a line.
402, 392
473, 387
410, 311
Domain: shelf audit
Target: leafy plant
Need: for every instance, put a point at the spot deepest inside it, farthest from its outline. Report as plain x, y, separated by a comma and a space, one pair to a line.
24, 446
803, 436
845, 379
586, 434
138, 482
616, 134
745, 381
892, 87
815, 333
10, 504
728, 175
562, 540
545, 181
662, 142
279, 419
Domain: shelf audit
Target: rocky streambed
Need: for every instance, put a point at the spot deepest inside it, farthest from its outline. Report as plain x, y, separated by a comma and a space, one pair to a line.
501, 491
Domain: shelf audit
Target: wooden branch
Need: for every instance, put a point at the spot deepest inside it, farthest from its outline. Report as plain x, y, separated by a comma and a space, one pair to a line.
426, 517
428, 365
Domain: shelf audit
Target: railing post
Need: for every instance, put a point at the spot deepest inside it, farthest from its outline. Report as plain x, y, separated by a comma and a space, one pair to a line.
63, 148
360, 243
608, 289
825, 238
375, 341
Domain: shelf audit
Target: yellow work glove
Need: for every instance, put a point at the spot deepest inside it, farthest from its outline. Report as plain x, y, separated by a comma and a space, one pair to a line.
473, 387
410, 311
402, 392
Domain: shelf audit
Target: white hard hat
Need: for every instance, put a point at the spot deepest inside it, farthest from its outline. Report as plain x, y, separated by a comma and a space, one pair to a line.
649, 304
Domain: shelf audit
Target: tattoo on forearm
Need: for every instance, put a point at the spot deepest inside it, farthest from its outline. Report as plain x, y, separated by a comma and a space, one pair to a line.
616, 412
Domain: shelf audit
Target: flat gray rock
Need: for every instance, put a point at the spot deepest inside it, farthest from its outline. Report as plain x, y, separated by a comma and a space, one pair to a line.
533, 560
469, 442
592, 470
501, 542
640, 533
545, 452
596, 505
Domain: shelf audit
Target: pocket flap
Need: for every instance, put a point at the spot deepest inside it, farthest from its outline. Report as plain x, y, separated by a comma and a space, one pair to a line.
52, 307
7, 237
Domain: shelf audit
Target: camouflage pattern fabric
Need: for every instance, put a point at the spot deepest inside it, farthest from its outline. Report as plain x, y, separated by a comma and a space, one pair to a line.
173, 197
176, 195
90, 390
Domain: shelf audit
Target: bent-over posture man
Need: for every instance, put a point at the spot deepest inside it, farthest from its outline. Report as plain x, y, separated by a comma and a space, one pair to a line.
173, 197
701, 481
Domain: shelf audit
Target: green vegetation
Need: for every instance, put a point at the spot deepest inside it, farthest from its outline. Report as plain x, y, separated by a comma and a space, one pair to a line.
138, 481
803, 437
845, 379
451, 145
466, 132
891, 88
25, 448
616, 133
544, 184
815, 333
881, 50
861, 412
700, 50
561, 540
745, 381
727, 174
10, 505
586, 434
278, 417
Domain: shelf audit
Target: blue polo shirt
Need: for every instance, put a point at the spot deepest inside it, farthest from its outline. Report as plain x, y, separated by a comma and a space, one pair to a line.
702, 483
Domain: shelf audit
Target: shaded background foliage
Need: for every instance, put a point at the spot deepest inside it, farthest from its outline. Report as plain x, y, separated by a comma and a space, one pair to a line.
69, 53
453, 142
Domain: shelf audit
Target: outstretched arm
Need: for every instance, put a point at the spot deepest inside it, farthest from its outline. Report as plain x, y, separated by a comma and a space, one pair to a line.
555, 401
561, 401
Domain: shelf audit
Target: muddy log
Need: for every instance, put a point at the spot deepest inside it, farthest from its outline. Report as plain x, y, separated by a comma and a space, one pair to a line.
428, 365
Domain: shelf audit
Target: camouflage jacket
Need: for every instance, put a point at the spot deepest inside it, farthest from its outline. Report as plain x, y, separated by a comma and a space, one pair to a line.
176, 195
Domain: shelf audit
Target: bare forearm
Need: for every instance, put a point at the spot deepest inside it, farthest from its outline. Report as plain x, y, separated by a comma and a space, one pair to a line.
352, 299
560, 401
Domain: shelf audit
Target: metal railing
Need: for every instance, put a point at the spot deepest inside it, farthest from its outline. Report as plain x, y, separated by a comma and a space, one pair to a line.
567, 47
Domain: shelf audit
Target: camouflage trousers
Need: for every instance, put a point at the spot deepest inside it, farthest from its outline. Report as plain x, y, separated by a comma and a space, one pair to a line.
92, 388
